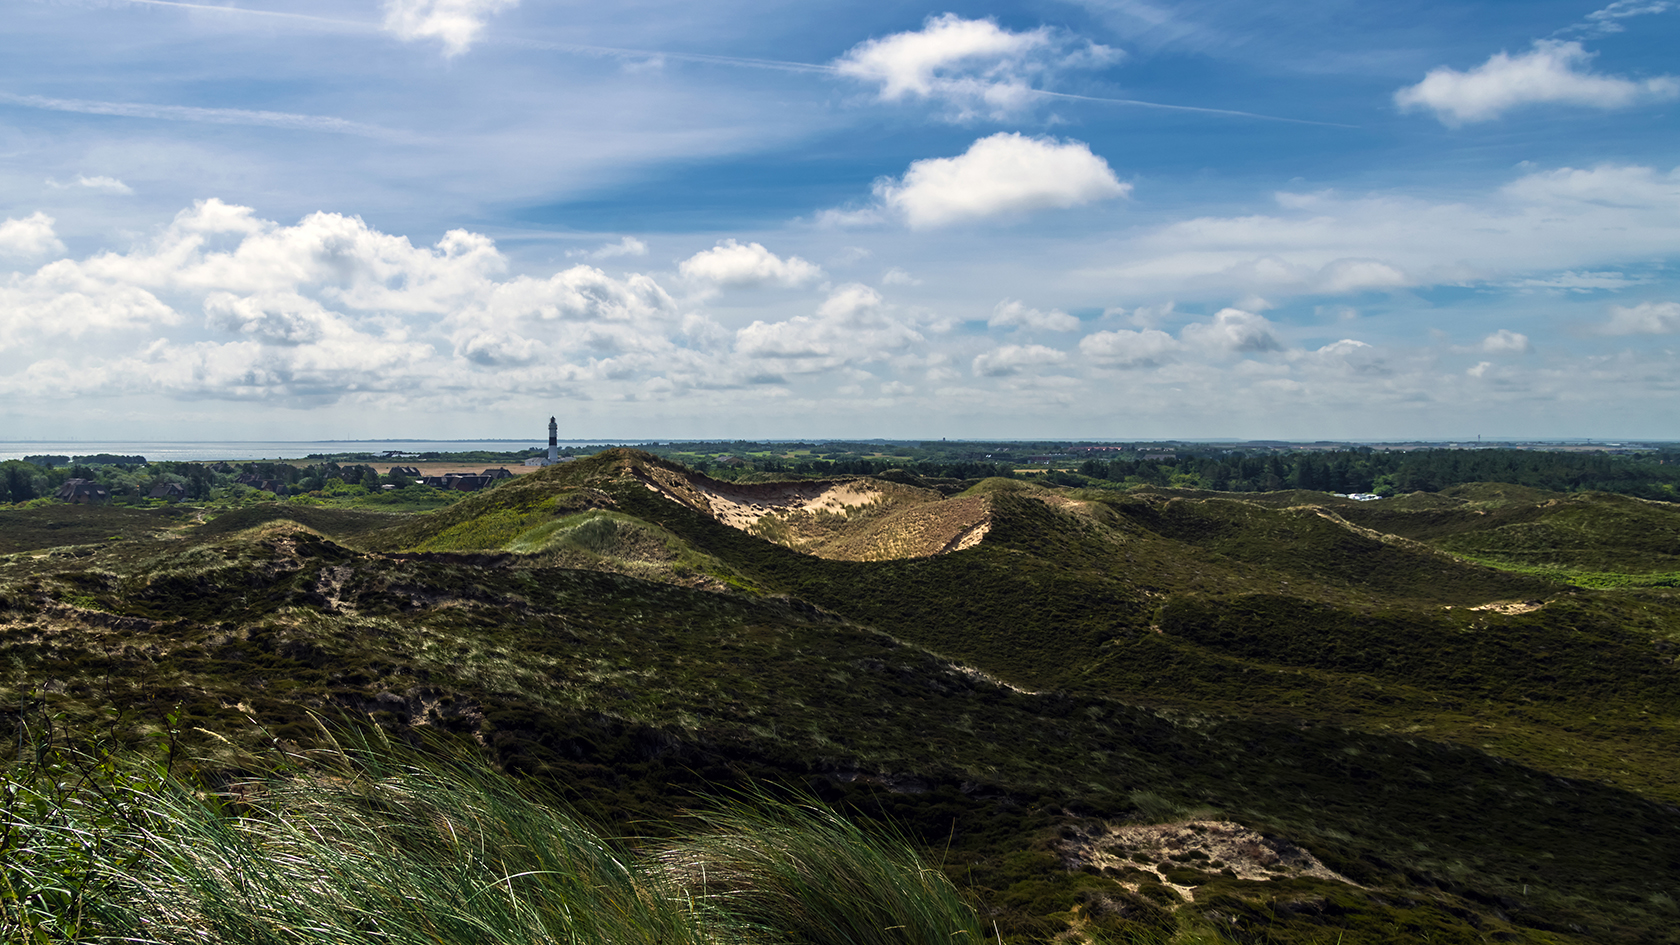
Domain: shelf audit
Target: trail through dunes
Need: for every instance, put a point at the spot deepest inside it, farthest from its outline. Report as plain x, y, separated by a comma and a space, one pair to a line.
844, 519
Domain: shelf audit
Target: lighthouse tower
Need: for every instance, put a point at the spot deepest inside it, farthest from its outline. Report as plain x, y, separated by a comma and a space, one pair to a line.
553, 441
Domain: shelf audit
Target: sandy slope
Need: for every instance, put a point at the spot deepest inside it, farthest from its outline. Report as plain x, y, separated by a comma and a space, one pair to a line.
845, 519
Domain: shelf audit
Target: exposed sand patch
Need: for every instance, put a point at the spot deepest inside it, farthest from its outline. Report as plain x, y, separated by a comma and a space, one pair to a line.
742, 506
845, 519
1214, 847
1510, 607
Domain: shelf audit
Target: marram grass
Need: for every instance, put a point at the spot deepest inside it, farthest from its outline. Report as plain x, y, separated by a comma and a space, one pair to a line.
368, 844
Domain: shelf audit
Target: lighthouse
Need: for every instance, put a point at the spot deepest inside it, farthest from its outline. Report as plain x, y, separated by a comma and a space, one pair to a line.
553, 441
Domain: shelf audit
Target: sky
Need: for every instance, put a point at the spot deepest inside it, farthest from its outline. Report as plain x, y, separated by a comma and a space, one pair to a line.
1096, 219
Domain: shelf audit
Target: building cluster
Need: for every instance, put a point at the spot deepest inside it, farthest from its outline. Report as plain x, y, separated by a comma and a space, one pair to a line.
255, 481
458, 482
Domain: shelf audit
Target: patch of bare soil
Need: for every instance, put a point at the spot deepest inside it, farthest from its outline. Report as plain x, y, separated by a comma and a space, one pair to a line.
844, 519
1176, 854
1511, 607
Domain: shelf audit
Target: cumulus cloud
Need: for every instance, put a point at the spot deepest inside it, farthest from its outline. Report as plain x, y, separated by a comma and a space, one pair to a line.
1232, 330
330, 307
1505, 341
455, 23
57, 301
1006, 173
897, 276
29, 237
1008, 360
853, 325
970, 65
1553, 72
284, 318
1014, 314
1646, 318
1126, 348
577, 314
732, 264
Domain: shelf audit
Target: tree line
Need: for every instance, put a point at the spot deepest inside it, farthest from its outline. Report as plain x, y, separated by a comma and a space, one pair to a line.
23, 481
1391, 473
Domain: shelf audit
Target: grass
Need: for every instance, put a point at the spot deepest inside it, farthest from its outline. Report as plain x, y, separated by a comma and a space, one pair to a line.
364, 842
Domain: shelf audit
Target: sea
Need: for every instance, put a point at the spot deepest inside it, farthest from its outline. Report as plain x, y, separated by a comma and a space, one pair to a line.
247, 450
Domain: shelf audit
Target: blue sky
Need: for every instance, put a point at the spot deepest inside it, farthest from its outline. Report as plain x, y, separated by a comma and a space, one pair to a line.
1107, 219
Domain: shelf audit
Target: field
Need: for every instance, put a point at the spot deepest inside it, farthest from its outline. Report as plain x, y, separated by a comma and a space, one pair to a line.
1169, 713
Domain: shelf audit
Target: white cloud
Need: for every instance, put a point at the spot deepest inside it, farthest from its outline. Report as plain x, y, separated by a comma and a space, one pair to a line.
456, 23
1343, 348
1542, 223
734, 264
1014, 314
1479, 369
29, 237
1646, 318
1580, 281
971, 65
1127, 348
578, 314
853, 325
1553, 72
284, 318
1358, 275
330, 307
109, 185
897, 276
628, 246
1005, 173
1232, 330
212, 116
1506, 341
1012, 359
1608, 20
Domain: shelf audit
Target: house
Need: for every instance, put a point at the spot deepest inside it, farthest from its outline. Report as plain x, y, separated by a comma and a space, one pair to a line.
275, 486
458, 482
83, 492
173, 491
405, 472
496, 474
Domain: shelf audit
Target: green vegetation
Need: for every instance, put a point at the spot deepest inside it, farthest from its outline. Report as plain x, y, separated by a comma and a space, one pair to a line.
1247, 468
368, 843
1427, 694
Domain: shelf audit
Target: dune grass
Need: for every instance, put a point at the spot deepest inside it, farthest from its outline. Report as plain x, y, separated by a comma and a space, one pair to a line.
364, 842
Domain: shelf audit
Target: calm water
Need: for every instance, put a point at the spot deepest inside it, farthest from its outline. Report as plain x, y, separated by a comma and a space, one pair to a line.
158, 451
